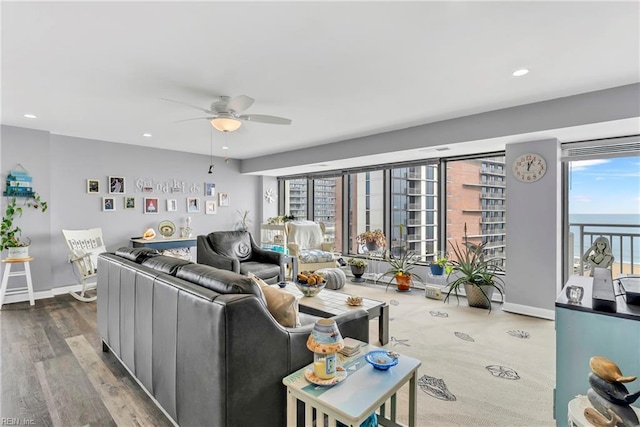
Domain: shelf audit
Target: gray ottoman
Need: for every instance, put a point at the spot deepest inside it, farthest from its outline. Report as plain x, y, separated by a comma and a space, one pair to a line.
334, 276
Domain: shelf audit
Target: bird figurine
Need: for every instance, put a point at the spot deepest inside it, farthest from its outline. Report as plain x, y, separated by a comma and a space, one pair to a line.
608, 370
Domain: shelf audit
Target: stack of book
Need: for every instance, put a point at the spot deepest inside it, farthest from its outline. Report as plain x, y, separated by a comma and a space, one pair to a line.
351, 347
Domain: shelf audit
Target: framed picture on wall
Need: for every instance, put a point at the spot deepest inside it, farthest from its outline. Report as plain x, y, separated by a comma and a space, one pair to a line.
223, 200
116, 185
172, 205
193, 204
210, 207
129, 202
93, 186
150, 205
108, 204
209, 189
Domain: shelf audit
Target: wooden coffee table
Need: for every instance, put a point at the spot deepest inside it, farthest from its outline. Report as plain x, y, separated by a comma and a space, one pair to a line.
331, 303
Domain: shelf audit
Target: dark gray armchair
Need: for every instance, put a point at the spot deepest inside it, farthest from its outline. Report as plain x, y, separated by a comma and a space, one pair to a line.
236, 251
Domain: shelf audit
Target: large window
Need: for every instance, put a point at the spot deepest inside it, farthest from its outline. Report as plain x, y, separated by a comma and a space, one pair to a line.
414, 202
366, 206
296, 198
475, 197
406, 204
327, 207
603, 201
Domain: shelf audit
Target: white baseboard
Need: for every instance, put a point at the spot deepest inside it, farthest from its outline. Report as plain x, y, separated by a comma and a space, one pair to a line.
529, 311
50, 293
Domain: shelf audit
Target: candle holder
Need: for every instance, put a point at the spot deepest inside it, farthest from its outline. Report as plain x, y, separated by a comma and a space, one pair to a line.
325, 341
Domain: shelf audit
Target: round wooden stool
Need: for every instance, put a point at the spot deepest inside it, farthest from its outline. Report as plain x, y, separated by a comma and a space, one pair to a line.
7, 273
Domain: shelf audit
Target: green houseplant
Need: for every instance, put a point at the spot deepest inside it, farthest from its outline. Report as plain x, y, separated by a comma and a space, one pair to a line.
400, 269
372, 239
358, 267
478, 276
10, 233
437, 266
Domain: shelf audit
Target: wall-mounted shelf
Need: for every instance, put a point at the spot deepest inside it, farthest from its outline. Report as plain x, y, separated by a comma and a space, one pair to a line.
18, 184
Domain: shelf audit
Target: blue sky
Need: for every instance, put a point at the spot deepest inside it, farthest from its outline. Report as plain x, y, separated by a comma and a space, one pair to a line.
605, 186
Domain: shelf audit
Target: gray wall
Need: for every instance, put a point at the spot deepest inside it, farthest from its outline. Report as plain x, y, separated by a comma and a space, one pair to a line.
534, 233
60, 166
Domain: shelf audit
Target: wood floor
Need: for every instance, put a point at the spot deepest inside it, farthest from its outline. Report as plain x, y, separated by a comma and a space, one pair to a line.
53, 371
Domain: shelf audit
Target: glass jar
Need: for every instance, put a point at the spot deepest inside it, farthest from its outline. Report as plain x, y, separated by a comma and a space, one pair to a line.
324, 365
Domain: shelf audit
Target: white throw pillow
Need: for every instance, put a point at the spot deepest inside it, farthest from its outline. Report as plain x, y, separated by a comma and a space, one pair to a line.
282, 305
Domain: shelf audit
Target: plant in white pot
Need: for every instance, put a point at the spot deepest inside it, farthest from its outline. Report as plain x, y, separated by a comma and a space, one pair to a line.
10, 234
478, 276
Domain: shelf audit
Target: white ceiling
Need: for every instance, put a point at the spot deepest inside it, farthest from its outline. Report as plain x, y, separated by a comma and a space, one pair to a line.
338, 70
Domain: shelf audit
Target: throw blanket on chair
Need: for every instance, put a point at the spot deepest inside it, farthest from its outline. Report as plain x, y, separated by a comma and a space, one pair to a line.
306, 234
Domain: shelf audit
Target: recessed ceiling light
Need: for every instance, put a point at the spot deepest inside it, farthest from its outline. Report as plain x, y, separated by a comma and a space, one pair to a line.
520, 73
225, 147
147, 135
30, 116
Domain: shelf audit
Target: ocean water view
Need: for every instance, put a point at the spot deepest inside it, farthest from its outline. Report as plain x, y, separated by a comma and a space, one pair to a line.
623, 231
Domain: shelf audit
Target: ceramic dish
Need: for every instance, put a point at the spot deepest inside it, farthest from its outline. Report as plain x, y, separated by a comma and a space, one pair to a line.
381, 359
341, 374
166, 228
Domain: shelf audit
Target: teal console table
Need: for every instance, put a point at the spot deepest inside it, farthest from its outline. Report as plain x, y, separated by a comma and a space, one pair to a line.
581, 333
162, 244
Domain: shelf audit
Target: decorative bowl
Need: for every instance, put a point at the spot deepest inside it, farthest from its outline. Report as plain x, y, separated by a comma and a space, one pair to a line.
382, 359
310, 290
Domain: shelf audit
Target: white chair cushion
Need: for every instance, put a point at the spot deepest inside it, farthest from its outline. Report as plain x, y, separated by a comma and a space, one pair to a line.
315, 255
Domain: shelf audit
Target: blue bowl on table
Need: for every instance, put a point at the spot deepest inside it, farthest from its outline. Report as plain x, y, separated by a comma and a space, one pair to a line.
381, 359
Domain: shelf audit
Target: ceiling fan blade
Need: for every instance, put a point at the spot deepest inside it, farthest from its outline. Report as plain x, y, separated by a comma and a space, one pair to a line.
261, 118
195, 118
240, 103
189, 105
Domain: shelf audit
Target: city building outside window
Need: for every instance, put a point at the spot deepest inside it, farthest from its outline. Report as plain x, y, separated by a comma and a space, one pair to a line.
475, 196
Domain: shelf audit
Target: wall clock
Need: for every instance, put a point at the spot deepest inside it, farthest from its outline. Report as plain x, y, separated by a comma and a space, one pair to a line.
529, 167
270, 195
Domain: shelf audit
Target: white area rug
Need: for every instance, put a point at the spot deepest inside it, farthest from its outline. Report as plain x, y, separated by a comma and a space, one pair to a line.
498, 369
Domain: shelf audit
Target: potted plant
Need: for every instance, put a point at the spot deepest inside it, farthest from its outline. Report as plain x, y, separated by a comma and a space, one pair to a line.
243, 224
373, 240
438, 264
10, 234
400, 269
478, 276
358, 267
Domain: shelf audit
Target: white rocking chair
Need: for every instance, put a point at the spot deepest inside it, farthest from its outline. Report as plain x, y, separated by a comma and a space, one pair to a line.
84, 247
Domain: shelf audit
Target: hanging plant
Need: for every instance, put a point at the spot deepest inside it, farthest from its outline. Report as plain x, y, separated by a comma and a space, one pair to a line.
10, 234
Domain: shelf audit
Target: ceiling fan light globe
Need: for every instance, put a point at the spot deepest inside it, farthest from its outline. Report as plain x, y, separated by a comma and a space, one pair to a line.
226, 124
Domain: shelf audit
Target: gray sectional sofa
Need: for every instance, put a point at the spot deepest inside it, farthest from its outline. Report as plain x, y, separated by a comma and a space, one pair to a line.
200, 340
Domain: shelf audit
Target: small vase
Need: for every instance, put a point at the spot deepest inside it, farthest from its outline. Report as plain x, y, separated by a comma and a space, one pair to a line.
371, 246
403, 282
357, 273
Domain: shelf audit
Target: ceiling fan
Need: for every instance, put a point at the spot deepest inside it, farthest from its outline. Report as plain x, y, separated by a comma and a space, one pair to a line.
225, 114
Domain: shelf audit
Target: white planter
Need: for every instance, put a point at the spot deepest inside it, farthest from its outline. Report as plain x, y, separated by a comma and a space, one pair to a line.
18, 252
